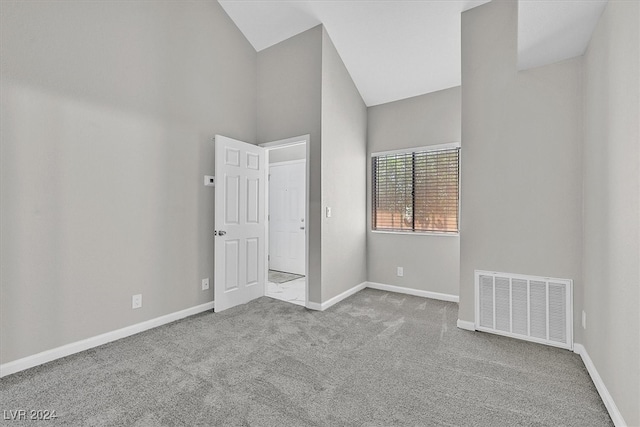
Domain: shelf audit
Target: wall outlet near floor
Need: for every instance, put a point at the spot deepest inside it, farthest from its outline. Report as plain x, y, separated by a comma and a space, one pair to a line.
584, 320
205, 284
399, 271
136, 301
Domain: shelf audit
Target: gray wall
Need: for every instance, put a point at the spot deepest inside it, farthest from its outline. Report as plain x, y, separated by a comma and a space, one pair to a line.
611, 244
108, 110
430, 262
303, 88
521, 165
344, 151
288, 105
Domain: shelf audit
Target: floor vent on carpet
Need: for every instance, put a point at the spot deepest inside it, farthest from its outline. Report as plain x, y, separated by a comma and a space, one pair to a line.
532, 308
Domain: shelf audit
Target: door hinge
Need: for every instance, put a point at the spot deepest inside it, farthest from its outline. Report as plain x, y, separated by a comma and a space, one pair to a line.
268, 257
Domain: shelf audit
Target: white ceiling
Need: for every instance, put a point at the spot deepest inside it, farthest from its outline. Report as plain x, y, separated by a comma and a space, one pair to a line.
550, 31
395, 49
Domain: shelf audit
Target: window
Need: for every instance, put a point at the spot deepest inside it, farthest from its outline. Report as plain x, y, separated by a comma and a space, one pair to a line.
416, 191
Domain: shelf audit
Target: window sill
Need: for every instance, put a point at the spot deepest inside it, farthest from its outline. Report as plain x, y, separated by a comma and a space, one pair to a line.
417, 233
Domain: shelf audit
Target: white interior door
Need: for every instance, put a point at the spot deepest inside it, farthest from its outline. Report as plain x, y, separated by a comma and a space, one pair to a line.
240, 222
287, 185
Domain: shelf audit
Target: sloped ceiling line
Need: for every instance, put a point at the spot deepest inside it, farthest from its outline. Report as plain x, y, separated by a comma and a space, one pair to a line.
397, 49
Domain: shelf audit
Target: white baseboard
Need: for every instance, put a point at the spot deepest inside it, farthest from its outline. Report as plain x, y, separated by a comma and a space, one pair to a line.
336, 299
468, 326
78, 346
614, 412
314, 306
416, 292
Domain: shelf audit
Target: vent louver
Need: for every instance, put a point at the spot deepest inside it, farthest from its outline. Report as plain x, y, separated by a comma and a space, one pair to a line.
527, 307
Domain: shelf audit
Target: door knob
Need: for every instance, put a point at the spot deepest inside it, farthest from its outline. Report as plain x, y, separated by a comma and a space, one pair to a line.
301, 228
219, 233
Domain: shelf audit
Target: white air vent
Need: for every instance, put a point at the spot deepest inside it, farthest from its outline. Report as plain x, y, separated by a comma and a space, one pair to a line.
532, 308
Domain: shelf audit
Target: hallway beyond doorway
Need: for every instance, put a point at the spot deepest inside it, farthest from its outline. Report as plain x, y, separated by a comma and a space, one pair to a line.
286, 287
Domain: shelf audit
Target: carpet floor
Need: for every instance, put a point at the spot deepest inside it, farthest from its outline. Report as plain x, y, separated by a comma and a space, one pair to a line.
375, 359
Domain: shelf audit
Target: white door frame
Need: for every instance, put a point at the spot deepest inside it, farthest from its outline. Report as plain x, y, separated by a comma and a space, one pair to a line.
289, 142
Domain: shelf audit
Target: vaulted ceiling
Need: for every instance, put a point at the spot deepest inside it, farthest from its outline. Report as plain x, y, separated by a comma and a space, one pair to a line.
395, 49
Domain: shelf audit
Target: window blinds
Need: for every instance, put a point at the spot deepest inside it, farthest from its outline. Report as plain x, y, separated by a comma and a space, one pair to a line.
416, 191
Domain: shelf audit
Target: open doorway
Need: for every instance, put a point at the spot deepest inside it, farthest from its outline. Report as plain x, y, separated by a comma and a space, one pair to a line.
287, 235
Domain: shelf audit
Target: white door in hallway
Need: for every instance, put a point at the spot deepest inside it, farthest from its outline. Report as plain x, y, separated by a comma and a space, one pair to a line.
240, 222
287, 185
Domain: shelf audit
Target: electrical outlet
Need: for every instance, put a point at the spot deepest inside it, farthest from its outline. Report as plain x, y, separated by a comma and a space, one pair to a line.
136, 301
400, 271
205, 284
584, 320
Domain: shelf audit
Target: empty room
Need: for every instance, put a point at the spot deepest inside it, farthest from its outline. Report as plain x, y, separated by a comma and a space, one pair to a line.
322, 213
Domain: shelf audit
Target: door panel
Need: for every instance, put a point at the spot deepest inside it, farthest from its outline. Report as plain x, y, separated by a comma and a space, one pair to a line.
232, 199
231, 256
253, 161
240, 222
253, 200
253, 253
232, 156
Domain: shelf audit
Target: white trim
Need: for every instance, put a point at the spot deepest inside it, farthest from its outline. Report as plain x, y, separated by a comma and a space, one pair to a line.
337, 298
274, 145
287, 162
417, 233
266, 221
526, 338
466, 325
435, 147
78, 346
314, 306
614, 412
415, 292
381, 287
289, 142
